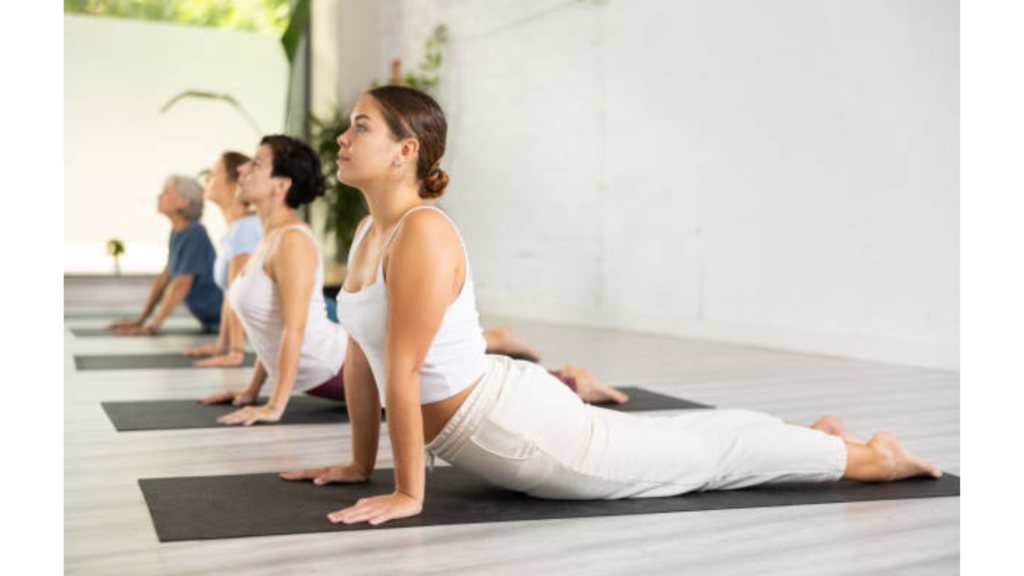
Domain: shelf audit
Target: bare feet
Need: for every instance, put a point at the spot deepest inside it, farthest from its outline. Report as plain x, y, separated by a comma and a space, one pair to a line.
902, 463
502, 340
590, 388
834, 427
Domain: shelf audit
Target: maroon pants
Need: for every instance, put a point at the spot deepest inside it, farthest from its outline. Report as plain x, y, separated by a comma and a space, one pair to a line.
334, 389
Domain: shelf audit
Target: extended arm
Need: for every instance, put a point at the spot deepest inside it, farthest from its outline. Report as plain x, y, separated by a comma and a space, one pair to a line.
293, 268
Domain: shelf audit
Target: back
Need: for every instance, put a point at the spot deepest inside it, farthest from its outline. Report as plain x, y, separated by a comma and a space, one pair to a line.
191, 252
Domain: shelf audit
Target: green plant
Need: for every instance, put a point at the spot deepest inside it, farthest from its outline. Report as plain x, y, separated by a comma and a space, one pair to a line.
344, 205
253, 15
427, 75
115, 247
211, 96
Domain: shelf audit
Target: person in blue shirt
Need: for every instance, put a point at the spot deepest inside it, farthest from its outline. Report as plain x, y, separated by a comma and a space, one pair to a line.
188, 275
242, 238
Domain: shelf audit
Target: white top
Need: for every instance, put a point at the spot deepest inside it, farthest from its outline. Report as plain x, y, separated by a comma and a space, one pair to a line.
255, 298
242, 238
456, 357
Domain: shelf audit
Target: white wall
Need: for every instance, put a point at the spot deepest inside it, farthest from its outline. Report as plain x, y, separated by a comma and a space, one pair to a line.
776, 173
118, 148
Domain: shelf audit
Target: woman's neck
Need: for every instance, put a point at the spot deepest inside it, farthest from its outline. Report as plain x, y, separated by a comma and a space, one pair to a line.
178, 222
232, 210
274, 216
388, 202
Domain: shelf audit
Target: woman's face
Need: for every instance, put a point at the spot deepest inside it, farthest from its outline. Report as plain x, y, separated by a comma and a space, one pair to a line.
217, 188
367, 150
254, 180
169, 202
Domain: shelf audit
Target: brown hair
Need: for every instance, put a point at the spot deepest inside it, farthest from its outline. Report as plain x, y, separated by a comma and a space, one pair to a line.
232, 160
410, 113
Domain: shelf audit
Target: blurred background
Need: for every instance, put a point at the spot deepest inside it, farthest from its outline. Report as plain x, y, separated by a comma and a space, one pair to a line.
776, 173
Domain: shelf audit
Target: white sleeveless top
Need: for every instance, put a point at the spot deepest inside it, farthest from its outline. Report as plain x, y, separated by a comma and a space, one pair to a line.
456, 357
255, 298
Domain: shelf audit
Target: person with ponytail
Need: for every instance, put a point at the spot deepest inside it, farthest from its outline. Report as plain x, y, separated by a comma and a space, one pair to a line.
279, 299
416, 348
238, 243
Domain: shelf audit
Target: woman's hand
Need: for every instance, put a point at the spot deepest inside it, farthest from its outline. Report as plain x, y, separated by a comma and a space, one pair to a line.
205, 350
124, 323
347, 474
251, 414
138, 330
229, 359
378, 509
236, 397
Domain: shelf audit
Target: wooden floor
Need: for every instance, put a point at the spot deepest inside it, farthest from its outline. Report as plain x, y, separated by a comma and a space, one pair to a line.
108, 531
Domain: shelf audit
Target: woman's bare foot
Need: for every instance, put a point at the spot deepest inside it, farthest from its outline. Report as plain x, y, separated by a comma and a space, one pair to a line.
502, 340
590, 388
902, 463
834, 427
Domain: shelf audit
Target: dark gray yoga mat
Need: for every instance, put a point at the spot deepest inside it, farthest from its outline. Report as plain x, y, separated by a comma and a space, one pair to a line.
168, 331
185, 414
145, 361
207, 507
115, 315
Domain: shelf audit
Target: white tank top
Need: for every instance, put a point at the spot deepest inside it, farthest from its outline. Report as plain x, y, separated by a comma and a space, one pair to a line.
255, 298
456, 357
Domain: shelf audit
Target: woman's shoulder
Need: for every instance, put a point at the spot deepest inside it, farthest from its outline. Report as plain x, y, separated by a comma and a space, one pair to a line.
423, 230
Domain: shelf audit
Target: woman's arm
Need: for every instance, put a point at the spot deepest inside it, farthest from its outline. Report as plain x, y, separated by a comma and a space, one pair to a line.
422, 270
156, 290
245, 396
363, 405
176, 292
222, 338
230, 345
293, 269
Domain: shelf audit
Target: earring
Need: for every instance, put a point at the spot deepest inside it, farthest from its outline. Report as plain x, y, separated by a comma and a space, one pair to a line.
397, 164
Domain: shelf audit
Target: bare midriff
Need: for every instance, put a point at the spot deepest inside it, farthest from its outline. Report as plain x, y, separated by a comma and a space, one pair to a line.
437, 414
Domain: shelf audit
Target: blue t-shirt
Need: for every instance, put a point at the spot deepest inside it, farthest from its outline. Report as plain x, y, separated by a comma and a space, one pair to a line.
242, 238
191, 252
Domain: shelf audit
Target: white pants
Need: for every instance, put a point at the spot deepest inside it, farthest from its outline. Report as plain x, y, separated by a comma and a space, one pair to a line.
523, 430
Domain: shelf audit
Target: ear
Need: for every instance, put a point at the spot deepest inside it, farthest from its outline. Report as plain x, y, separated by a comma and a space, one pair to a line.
282, 184
408, 150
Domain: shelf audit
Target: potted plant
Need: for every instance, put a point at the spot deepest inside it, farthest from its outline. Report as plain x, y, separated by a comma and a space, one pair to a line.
115, 247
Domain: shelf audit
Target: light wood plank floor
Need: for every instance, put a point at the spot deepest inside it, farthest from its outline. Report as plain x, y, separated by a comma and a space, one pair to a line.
108, 531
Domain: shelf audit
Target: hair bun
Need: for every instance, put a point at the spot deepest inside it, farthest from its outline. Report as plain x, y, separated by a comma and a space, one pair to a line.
434, 184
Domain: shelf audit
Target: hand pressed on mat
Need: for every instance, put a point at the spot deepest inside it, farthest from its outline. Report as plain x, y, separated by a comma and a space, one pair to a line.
378, 509
230, 359
252, 414
206, 350
348, 473
138, 330
235, 397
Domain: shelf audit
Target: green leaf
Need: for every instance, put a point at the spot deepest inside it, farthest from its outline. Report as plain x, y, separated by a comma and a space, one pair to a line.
297, 21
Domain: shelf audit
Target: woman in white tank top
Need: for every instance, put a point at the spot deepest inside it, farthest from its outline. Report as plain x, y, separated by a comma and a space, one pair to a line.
415, 347
279, 300
278, 295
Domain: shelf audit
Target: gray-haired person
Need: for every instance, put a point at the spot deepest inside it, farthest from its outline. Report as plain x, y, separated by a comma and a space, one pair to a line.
188, 275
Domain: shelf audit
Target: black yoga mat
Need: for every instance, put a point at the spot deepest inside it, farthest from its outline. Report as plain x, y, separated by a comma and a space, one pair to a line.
207, 507
146, 361
184, 414
115, 315
168, 331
